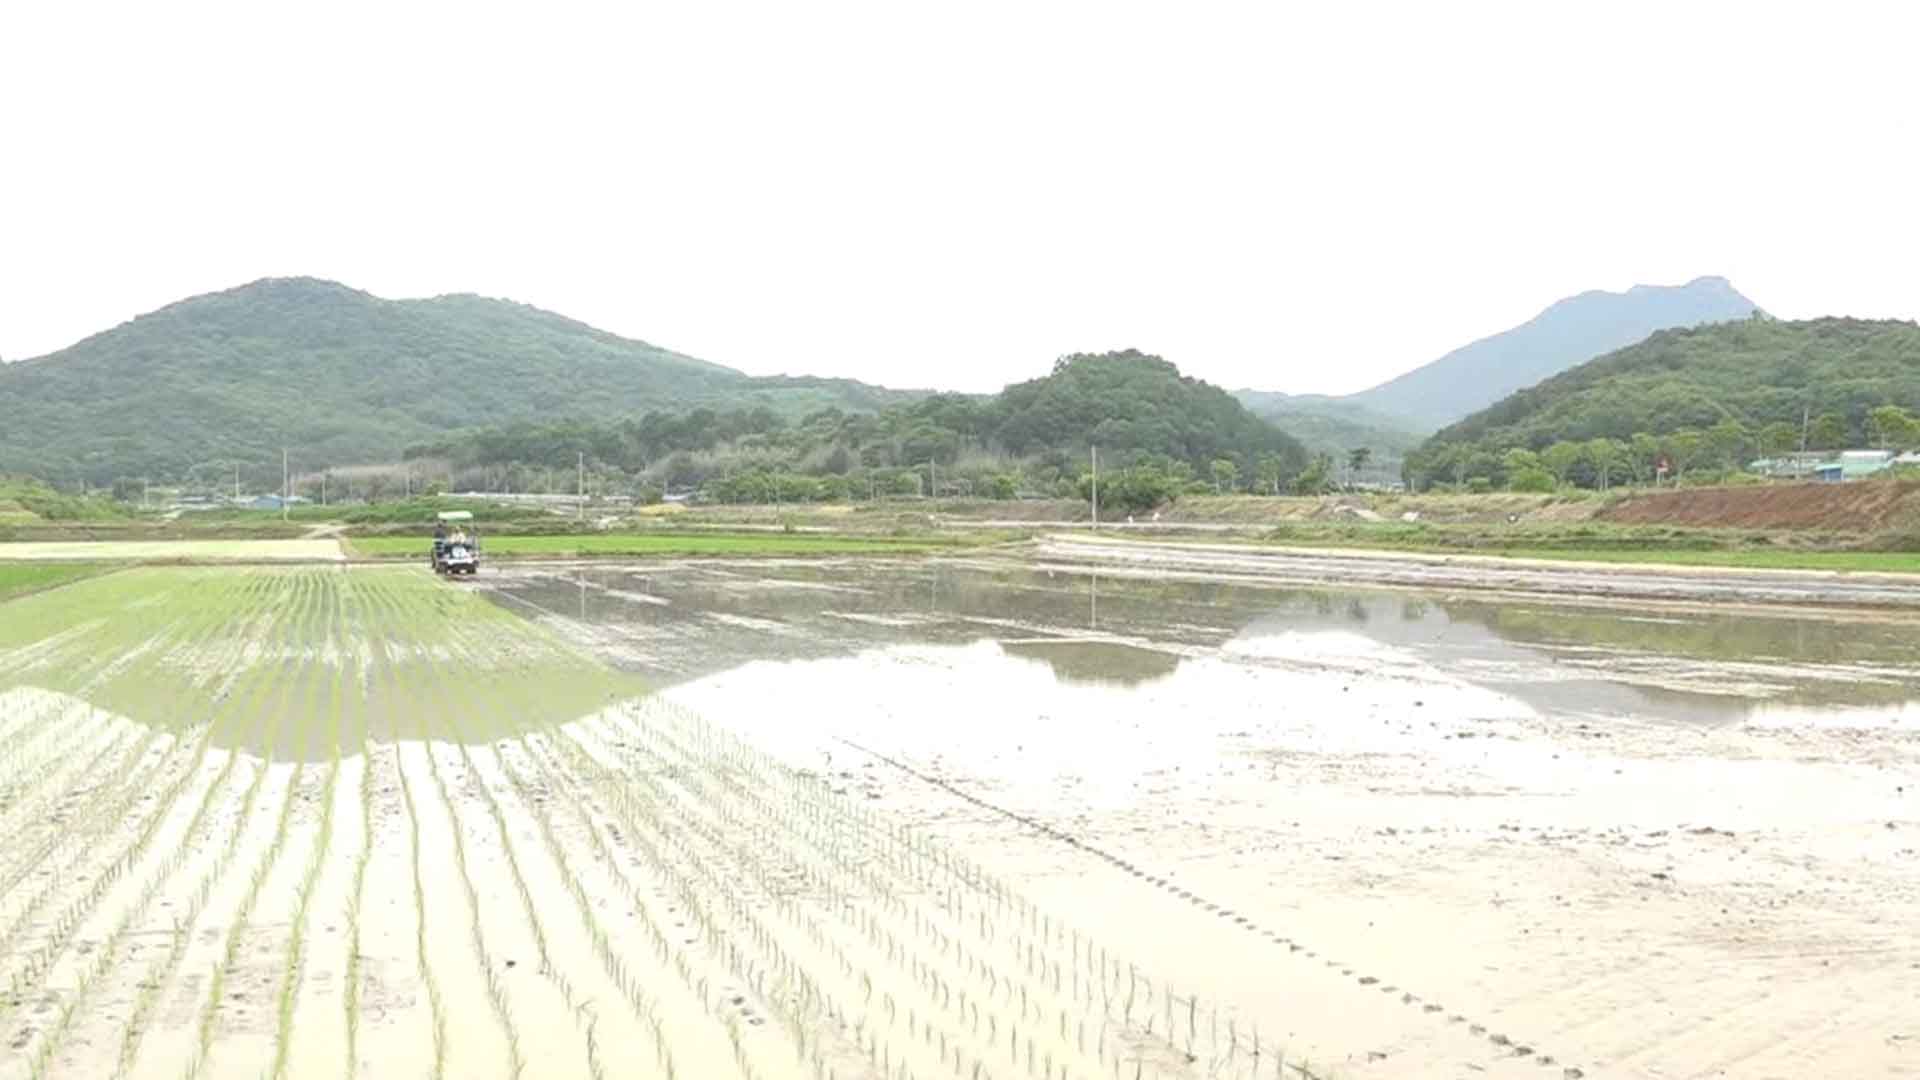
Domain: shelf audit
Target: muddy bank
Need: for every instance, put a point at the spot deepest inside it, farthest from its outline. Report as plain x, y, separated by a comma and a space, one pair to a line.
1615, 581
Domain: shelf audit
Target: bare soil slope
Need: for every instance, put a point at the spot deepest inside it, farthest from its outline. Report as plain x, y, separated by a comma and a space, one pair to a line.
1865, 507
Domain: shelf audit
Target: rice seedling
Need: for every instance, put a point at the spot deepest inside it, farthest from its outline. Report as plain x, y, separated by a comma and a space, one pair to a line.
680, 903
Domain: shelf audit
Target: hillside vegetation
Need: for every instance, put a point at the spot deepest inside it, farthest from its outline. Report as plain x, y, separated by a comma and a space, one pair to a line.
340, 376
1338, 426
1710, 397
1031, 437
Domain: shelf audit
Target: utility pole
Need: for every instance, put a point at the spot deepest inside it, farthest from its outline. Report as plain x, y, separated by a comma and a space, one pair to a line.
1096, 488
286, 479
1806, 415
933, 479
580, 508
144, 484
323, 489
236, 483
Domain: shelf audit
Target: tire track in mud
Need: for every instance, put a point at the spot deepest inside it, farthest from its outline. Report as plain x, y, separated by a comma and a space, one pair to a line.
1499, 1040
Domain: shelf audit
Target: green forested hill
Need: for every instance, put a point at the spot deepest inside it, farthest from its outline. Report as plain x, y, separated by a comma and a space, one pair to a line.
1747, 385
1133, 406
1138, 409
339, 376
1130, 402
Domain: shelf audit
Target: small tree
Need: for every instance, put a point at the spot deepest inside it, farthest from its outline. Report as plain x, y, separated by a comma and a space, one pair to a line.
1519, 459
1890, 427
1829, 432
1316, 477
1533, 479
1226, 475
1269, 472
1560, 459
1604, 455
1779, 437
1357, 459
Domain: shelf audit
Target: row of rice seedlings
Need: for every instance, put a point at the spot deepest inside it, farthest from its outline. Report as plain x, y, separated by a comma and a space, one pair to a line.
616, 967
1051, 973
356, 895
805, 960
38, 823
30, 857
47, 752
528, 909
305, 605
488, 692
388, 620
248, 699
107, 957
81, 839
799, 990
490, 971
296, 948
506, 687
566, 785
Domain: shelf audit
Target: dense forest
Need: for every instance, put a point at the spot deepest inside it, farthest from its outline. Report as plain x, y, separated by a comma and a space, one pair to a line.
1159, 432
198, 388
1710, 399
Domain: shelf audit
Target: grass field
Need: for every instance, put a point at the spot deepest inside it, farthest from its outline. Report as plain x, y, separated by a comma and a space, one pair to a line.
449, 845
666, 544
122, 552
17, 579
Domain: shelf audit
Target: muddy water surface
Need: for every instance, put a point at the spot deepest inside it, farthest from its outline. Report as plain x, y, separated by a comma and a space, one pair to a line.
1421, 833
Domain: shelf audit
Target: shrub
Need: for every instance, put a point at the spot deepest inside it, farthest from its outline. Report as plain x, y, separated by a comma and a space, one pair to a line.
1532, 480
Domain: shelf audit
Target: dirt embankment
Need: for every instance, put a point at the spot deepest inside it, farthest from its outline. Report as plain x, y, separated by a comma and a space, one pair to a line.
1868, 507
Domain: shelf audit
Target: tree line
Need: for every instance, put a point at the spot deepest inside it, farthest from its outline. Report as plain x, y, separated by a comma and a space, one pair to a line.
1158, 432
1601, 463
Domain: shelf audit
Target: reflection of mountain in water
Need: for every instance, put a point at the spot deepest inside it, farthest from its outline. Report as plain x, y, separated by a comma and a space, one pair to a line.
1109, 663
685, 621
1680, 664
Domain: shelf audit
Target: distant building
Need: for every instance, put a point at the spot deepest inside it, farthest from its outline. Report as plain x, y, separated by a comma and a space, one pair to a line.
1851, 465
1790, 466
272, 502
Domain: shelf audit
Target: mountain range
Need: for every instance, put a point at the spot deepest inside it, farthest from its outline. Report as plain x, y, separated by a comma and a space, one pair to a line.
1392, 416
341, 376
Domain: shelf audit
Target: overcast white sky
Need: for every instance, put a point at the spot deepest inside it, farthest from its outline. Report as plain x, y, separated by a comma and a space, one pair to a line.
1288, 196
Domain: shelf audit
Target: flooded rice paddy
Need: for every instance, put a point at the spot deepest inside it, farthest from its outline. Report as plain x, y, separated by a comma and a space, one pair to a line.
1426, 833
974, 817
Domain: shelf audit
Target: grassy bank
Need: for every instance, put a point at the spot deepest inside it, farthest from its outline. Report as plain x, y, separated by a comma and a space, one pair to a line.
644, 545
19, 579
